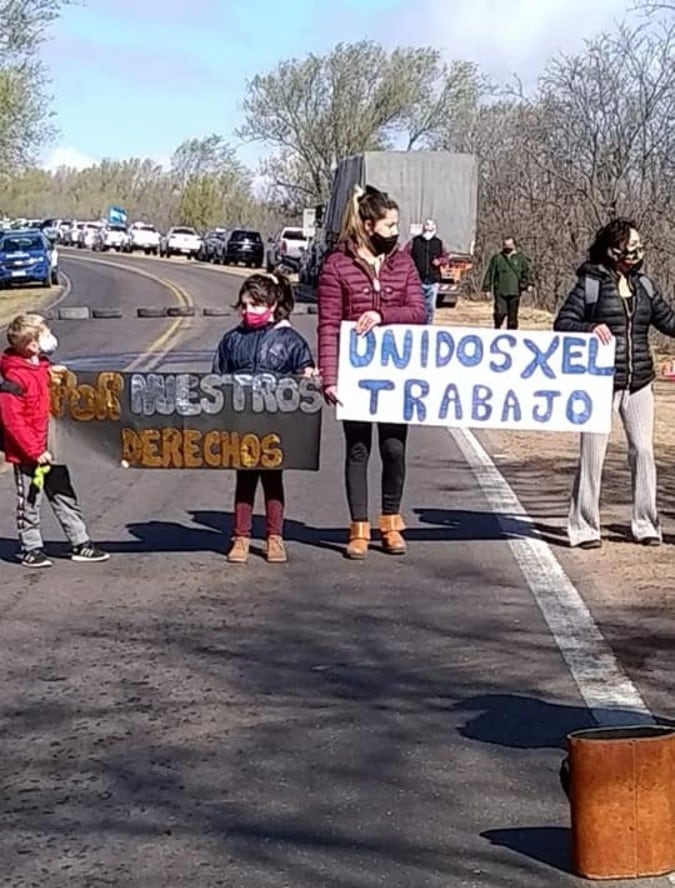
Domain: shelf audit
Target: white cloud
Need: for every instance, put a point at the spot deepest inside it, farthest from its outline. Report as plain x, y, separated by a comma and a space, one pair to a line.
64, 156
507, 38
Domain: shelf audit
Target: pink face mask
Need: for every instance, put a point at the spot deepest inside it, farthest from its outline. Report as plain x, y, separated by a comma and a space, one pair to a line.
257, 319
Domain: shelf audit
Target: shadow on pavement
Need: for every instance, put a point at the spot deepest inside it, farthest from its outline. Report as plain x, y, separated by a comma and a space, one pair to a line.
550, 845
439, 526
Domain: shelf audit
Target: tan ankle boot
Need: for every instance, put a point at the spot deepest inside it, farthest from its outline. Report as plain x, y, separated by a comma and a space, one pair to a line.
390, 530
238, 554
359, 537
275, 551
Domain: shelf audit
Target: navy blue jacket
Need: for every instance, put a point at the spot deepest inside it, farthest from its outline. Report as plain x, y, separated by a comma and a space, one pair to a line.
272, 349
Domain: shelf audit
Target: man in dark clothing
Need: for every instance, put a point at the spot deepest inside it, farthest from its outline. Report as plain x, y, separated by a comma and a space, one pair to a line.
508, 275
428, 254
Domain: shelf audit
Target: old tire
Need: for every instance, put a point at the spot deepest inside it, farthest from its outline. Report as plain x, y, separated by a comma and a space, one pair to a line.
106, 313
181, 311
217, 312
151, 312
74, 313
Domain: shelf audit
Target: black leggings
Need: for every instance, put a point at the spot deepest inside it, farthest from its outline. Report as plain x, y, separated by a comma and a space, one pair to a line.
359, 439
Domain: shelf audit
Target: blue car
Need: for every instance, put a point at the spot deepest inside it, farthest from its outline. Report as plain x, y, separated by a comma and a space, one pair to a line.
25, 256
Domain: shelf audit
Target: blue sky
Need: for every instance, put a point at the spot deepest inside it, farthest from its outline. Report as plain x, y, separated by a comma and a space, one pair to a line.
137, 77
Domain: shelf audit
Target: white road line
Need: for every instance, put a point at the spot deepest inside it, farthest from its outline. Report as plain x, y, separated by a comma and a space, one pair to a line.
606, 689
610, 695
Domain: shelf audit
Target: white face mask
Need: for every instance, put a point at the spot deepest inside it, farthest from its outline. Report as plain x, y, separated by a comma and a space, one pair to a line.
47, 343
428, 235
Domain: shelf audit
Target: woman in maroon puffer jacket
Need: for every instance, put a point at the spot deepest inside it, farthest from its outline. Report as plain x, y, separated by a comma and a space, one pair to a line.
368, 280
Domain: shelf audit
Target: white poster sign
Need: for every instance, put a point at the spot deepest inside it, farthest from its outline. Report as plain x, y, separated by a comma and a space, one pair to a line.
476, 378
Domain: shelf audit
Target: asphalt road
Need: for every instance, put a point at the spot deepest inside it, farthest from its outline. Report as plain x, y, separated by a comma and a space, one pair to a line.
169, 720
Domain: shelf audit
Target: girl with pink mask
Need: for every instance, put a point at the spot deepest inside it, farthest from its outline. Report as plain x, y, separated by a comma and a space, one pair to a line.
264, 342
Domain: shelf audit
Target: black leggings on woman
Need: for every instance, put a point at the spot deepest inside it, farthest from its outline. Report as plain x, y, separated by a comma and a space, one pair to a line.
359, 439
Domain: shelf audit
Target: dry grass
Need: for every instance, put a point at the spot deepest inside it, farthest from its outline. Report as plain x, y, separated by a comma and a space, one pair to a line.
21, 299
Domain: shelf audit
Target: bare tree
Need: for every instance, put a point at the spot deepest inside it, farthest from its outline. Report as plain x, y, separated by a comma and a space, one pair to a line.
358, 97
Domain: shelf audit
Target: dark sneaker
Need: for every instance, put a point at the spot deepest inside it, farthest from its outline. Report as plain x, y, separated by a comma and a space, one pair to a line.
88, 552
650, 541
591, 544
35, 558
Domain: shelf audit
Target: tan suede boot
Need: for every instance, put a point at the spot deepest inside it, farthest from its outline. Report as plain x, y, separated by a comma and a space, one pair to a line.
359, 537
238, 554
275, 551
390, 529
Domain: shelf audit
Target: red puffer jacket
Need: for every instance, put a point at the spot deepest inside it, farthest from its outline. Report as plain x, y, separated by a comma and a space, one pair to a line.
25, 419
348, 288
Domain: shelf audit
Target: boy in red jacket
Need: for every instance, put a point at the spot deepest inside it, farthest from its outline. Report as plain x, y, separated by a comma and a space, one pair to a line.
25, 423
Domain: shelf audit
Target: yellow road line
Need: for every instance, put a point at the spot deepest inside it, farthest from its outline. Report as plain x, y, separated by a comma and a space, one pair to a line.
182, 297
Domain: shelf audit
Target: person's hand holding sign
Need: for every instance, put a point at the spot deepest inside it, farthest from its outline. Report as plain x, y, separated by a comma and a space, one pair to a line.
603, 333
330, 395
367, 321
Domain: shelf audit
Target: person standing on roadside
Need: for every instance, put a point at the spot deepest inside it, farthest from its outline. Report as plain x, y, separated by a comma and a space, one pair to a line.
614, 300
508, 276
428, 254
367, 279
264, 342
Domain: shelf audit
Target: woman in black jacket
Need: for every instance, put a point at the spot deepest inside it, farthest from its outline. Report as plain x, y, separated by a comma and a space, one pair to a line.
614, 300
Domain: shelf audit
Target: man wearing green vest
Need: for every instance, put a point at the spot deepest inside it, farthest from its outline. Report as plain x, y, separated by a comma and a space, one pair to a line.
508, 276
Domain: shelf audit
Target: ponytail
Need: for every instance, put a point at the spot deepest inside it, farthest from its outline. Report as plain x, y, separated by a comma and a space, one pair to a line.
268, 289
365, 205
286, 300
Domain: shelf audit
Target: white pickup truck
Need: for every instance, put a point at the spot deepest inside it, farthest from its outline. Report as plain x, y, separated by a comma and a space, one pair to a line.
110, 237
286, 248
180, 241
143, 236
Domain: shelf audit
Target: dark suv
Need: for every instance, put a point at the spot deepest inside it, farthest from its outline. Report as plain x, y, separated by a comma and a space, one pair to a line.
245, 247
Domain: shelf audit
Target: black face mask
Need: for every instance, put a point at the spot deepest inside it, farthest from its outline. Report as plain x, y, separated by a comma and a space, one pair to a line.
382, 245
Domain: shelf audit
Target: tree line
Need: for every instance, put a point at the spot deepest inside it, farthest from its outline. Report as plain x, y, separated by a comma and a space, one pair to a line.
594, 139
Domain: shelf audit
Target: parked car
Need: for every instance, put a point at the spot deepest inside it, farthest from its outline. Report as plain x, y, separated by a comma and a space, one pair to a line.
27, 256
180, 241
87, 234
50, 229
143, 236
286, 248
243, 247
110, 237
311, 262
63, 227
72, 234
212, 245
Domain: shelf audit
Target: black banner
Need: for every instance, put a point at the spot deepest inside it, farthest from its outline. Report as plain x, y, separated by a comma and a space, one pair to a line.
190, 420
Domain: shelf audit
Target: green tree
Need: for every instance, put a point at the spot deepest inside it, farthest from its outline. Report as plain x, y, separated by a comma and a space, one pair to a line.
215, 188
24, 102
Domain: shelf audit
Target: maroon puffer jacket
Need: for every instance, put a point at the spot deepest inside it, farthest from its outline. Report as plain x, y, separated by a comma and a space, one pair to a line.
348, 288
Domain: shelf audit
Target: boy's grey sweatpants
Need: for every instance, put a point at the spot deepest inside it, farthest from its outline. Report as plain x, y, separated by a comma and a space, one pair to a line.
59, 491
637, 415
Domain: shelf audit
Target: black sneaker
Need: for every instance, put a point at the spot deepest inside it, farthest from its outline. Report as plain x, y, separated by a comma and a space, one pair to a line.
88, 552
591, 544
35, 558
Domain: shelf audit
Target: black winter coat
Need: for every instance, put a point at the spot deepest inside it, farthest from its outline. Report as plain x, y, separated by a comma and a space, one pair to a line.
628, 319
272, 349
423, 253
